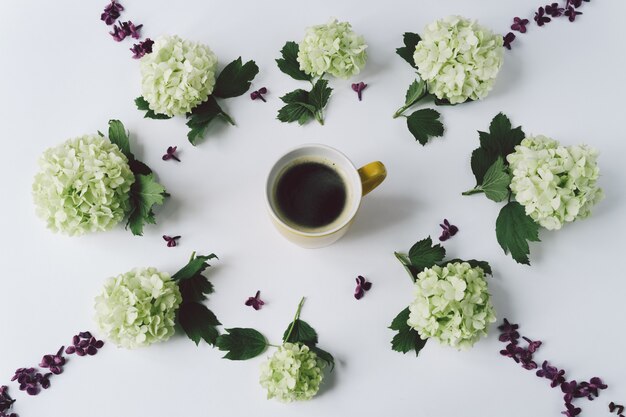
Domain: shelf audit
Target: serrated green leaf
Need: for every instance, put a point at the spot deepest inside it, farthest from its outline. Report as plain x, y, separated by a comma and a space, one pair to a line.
296, 96
502, 138
424, 255
496, 181
324, 356
289, 62
406, 263
143, 105
410, 43
407, 338
199, 119
139, 168
119, 137
484, 265
514, 229
319, 95
235, 79
145, 193
296, 112
241, 344
195, 266
481, 161
198, 322
416, 91
195, 289
301, 333
424, 124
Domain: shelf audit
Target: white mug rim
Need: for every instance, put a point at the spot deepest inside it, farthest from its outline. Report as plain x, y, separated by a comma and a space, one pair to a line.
355, 185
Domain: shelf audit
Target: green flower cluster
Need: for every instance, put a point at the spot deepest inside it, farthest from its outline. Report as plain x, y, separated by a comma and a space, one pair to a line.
332, 48
459, 59
452, 304
554, 183
177, 76
138, 308
293, 373
83, 186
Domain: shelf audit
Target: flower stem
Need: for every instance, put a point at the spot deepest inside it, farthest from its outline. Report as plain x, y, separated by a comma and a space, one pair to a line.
295, 318
473, 191
193, 256
319, 116
227, 117
401, 110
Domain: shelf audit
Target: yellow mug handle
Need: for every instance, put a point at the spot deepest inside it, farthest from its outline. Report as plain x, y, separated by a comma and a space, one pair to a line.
372, 175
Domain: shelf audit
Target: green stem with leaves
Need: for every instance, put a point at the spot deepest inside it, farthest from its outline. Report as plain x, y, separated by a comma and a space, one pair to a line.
296, 317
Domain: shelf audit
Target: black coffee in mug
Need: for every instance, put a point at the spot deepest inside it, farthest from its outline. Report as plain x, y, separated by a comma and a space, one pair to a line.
311, 194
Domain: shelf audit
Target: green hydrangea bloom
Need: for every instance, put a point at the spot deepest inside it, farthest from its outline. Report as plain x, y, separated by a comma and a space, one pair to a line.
293, 373
83, 186
177, 76
459, 59
332, 48
452, 304
138, 308
554, 183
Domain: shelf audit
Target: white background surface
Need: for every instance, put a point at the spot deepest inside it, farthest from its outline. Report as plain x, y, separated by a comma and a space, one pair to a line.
62, 76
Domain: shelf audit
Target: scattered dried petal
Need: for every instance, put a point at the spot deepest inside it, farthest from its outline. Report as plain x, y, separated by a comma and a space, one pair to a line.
519, 24
171, 240
359, 87
171, 154
255, 302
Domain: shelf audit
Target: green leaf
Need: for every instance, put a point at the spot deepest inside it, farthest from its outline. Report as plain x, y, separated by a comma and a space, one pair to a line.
119, 137
241, 344
139, 167
198, 322
424, 255
143, 105
301, 333
406, 262
296, 96
424, 124
193, 285
289, 62
235, 79
195, 266
296, 112
195, 288
324, 356
199, 119
410, 43
514, 229
502, 138
496, 181
319, 95
298, 107
481, 161
416, 91
484, 265
407, 338
145, 193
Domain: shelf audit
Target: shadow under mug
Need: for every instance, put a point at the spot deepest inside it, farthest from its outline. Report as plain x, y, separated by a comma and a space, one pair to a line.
358, 182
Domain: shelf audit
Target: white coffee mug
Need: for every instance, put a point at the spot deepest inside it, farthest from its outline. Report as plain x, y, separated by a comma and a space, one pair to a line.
358, 183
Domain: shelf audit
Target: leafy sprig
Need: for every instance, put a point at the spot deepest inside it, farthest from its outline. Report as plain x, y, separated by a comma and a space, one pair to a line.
514, 229
301, 105
423, 254
246, 343
423, 124
145, 192
198, 322
233, 81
